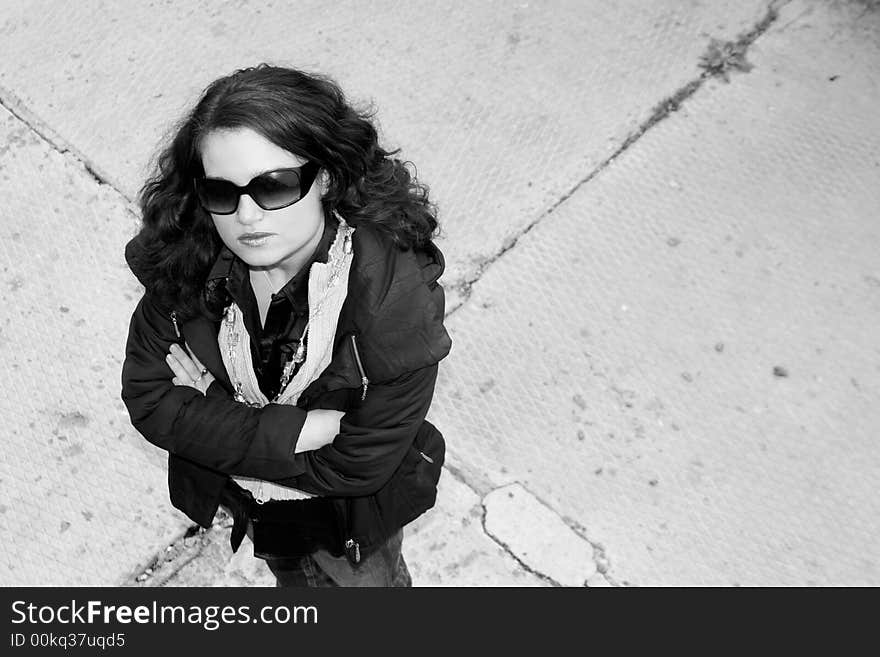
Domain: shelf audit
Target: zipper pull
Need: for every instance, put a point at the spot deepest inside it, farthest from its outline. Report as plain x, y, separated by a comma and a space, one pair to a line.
364, 380
174, 321
350, 545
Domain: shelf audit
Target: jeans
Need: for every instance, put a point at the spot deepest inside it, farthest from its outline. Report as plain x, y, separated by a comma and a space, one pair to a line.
384, 567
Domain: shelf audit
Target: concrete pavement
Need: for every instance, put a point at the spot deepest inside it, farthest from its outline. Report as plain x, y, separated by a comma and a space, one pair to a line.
660, 222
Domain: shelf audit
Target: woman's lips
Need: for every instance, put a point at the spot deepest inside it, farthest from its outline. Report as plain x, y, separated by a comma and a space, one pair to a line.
254, 239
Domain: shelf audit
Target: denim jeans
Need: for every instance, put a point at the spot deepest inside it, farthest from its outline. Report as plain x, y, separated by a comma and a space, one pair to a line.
384, 567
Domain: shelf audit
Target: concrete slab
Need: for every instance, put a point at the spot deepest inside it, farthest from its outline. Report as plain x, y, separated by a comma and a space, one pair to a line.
83, 498
449, 547
679, 358
505, 107
537, 536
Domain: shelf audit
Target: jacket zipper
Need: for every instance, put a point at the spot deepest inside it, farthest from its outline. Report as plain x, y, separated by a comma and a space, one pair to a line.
364, 380
353, 548
174, 321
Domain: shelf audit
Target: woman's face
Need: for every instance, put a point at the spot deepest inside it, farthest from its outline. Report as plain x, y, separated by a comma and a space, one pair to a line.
279, 241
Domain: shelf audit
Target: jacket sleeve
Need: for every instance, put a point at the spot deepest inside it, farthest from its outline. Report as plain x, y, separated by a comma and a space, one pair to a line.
212, 430
401, 305
372, 441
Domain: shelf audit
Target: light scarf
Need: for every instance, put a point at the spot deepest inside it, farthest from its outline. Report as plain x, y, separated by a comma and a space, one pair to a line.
328, 286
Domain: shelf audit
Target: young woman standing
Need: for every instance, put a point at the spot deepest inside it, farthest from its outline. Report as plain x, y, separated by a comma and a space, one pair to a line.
286, 347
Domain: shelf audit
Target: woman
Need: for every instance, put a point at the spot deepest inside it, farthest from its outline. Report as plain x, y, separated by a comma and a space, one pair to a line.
286, 347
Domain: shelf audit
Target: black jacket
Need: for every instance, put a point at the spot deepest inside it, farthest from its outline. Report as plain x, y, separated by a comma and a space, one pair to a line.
381, 470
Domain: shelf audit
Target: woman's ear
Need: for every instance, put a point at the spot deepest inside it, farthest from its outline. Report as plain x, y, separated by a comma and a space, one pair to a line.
324, 181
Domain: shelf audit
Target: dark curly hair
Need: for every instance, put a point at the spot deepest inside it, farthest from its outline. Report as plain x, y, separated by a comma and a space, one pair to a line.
306, 114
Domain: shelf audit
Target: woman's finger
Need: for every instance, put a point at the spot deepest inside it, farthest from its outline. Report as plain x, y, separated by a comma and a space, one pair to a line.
189, 367
188, 370
179, 370
194, 358
203, 371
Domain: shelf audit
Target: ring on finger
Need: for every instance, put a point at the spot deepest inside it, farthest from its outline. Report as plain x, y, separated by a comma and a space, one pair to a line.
201, 374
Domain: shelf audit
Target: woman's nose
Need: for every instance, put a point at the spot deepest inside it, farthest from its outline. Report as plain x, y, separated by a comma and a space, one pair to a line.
248, 211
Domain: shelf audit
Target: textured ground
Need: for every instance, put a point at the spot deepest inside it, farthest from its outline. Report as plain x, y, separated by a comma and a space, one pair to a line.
661, 227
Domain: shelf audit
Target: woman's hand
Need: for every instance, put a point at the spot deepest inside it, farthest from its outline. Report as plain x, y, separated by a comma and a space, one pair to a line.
321, 425
320, 428
188, 370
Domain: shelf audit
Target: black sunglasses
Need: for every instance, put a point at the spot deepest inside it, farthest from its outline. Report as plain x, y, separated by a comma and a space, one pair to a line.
271, 190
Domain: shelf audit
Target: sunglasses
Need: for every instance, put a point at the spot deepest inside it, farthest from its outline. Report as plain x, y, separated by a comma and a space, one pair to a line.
271, 190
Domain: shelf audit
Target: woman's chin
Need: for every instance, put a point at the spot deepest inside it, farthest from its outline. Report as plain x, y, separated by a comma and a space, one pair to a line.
263, 258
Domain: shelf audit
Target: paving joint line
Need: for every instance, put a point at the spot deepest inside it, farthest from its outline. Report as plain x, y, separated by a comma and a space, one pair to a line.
459, 475
167, 562
735, 49
12, 104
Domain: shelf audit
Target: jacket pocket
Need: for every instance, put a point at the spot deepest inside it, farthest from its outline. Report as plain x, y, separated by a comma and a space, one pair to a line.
367, 521
345, 371
413, 487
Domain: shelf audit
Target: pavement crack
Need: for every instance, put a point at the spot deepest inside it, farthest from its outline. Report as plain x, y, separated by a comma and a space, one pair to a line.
166, 563
600, 556
511, 553
719, 58
19, 110
717, 61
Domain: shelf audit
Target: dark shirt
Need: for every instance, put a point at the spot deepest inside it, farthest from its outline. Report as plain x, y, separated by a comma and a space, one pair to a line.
274, 344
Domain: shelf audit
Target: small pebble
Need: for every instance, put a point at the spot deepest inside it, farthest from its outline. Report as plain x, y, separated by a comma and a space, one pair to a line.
780, 371
719, 347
